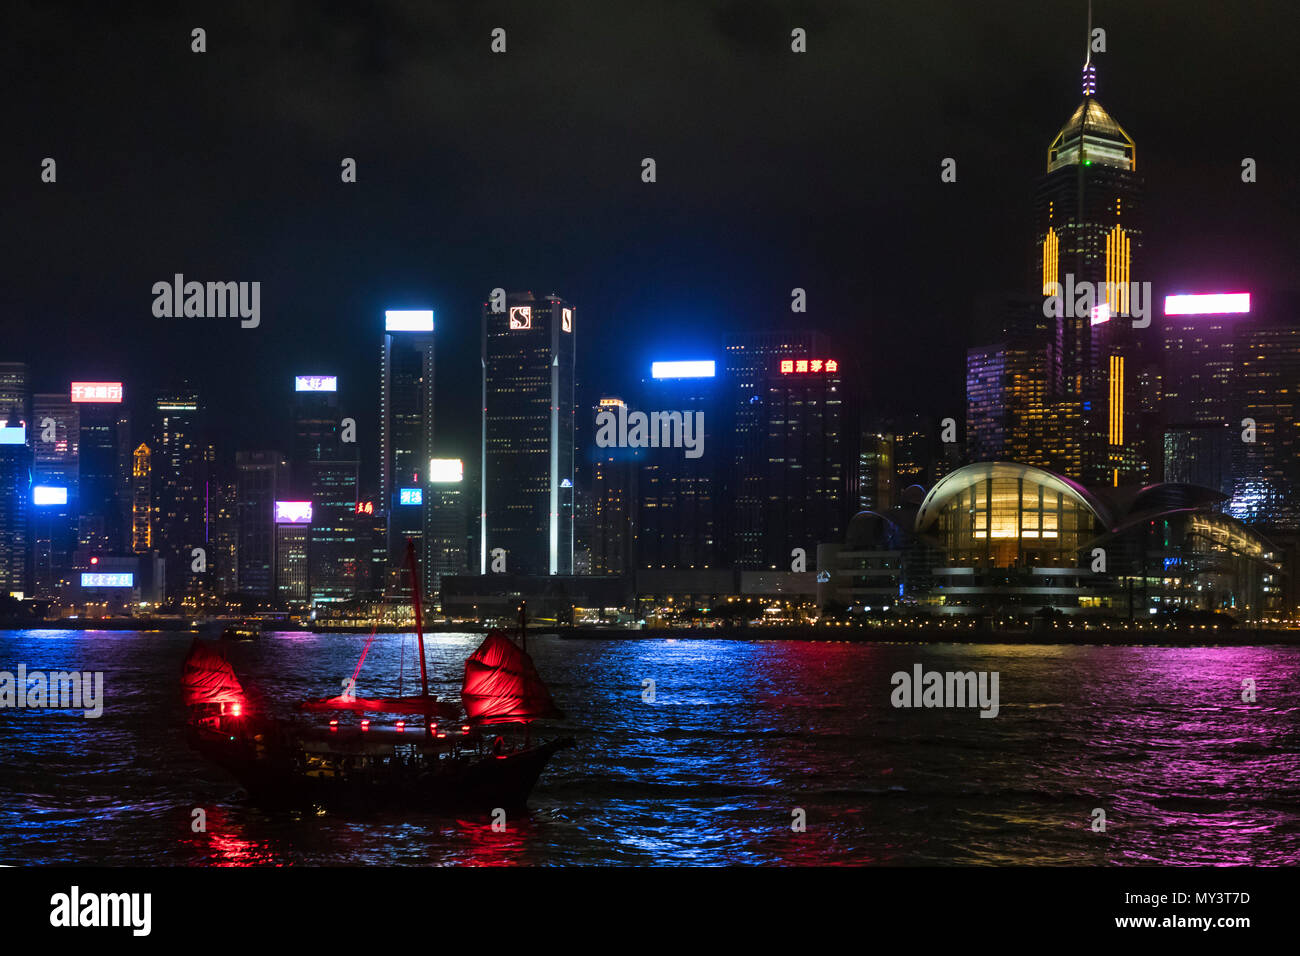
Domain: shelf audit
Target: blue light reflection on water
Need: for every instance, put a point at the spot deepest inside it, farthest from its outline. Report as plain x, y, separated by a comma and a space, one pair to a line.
740, 734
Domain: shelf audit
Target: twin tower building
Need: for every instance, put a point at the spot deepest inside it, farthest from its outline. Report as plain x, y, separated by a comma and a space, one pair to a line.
525, 495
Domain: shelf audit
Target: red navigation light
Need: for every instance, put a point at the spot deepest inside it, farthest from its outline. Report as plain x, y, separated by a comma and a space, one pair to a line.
365, 725
464, 728
401, 725
440, 736
334, 725
94, 560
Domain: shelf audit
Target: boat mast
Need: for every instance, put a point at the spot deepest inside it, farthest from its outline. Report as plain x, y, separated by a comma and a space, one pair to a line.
523, 625
414, 564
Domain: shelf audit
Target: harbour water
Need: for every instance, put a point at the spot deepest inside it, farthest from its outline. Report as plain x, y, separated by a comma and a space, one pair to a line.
741, 737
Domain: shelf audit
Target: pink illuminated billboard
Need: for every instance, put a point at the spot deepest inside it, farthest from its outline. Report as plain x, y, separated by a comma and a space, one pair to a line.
293, 512
1208, 303
97, 391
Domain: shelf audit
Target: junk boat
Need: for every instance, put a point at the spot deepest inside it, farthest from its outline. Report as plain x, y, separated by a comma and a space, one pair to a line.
431, 758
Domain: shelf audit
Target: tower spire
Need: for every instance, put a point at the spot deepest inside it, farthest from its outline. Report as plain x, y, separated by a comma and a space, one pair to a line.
1089, 71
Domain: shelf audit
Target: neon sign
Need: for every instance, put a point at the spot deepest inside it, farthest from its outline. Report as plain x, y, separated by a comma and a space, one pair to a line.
521, 317
446, 471
49, 495
1209, 303
408, 320
293, 512
100, 579
97, 391
410, 496
809, 366
703, 368
316, 383
365, 507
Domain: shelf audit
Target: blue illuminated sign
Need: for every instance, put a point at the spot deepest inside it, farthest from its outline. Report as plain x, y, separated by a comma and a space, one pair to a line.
410, 496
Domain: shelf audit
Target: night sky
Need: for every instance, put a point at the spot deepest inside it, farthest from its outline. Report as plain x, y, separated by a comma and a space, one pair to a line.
522, 170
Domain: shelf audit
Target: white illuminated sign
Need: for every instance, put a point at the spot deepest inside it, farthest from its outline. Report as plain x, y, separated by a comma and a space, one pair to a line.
316, 383
49, 495
101, 579
566, 319
408, 320
293, 512
446, 471
521, 317
13, 434
698, 369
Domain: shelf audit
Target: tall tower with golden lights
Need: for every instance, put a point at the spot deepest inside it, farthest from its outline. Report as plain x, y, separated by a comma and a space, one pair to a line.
1088, 207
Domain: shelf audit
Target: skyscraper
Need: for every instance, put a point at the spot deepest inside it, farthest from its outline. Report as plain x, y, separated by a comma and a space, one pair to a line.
804, 488
747, 365
406, 402
614, 495
141, 500
15, 511
1197, 398
179, 465
680, 507
1088, 207
55, 439
261, 477
13, 393
105, 435
446, 515
327, 471
1266, 487
528, 434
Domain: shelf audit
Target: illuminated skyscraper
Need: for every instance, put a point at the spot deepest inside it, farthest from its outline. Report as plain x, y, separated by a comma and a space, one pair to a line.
55, 439
105, 467
326, 470
614, 473
179, 461
446, 517
406, 402
680, 508
1197, 398
1088, 207
13, 393
141, 500
15, 511
262, 477
1266, 489
804, 487
528, 440
747, 364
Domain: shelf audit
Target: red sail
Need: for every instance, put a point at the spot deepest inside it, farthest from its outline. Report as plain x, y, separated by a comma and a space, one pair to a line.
501, 685
207, 677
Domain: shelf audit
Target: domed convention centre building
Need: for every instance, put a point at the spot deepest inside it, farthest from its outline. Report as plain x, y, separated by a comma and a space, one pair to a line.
1006, 538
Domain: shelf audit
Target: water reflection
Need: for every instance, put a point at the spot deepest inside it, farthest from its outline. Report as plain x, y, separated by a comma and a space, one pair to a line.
739, 737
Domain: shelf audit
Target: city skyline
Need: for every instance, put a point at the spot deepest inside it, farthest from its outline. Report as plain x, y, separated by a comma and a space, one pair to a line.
1207, 228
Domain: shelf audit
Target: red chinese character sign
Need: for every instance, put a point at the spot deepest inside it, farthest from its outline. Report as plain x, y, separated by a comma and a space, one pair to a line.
809, 367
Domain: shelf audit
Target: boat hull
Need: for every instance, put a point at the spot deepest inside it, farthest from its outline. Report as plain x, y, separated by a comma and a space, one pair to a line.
292, 775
